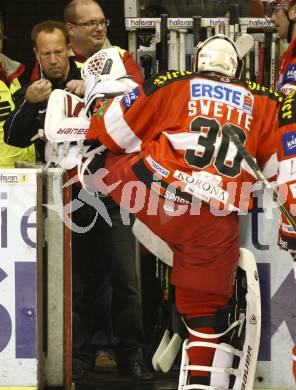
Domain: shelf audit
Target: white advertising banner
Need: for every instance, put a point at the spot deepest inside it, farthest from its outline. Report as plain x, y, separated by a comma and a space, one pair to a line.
259, 231
18, 278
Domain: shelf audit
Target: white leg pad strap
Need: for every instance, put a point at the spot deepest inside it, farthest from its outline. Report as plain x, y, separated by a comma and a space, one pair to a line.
223, 361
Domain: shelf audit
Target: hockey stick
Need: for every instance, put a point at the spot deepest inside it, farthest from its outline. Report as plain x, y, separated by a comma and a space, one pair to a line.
228, 130
196, 30
267, 55
168, 354
173, 335
256, 61
252, 65
162, 46
233, 21
272, 62
158, 339
261, 64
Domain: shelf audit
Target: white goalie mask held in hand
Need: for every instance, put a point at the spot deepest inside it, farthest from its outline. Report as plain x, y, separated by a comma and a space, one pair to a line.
67, 116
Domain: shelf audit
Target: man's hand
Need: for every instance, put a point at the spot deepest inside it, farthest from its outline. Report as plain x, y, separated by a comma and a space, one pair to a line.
76, 87
38, 91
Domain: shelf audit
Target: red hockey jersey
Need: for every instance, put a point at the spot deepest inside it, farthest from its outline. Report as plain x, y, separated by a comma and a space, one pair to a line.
287, 168
286, 78
174, 122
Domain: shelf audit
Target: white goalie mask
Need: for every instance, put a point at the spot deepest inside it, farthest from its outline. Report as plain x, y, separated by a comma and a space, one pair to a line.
106, 63
104, 75
218, 54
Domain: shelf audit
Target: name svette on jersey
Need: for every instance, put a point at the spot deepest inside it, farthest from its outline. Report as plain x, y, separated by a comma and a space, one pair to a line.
175, 124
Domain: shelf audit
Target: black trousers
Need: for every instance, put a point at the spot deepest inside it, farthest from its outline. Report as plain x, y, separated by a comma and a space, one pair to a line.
102, 257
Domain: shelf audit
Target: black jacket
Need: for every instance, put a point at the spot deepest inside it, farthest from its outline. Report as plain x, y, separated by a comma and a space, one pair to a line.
27, 118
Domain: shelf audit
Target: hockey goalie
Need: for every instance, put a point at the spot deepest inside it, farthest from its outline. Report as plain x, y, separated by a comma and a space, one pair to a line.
171, 162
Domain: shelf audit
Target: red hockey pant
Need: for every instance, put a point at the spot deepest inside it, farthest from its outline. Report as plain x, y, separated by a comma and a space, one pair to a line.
205, 246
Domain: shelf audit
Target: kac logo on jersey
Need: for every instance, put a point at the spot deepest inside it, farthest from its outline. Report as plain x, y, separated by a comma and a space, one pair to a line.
290, 75
233, 95
287, 88
129, 98
289, 143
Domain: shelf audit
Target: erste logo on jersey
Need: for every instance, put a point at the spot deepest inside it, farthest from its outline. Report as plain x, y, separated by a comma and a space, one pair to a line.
232, 95
289, 143
290, 75
129, 98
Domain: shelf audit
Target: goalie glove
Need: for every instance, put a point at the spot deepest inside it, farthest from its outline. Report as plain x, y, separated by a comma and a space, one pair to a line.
102, 88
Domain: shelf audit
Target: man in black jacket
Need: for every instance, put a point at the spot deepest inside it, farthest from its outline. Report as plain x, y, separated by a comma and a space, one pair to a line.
56, 70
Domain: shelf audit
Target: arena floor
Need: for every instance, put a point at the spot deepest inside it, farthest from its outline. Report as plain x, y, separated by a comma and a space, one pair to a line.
112, 381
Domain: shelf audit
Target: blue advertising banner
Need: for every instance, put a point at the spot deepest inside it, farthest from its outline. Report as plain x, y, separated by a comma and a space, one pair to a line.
18, 279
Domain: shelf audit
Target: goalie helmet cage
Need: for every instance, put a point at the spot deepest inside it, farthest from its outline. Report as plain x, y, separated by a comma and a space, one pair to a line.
166, 40
186, 24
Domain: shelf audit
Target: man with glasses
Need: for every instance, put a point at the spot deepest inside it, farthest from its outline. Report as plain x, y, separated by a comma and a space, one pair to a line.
283, 16
113, 255
87, 26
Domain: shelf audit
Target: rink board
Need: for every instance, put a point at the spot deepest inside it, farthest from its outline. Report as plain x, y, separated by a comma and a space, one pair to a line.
21, 351
21, 356
35, 344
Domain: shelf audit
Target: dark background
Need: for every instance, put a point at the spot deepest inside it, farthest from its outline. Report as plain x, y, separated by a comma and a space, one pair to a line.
21, 15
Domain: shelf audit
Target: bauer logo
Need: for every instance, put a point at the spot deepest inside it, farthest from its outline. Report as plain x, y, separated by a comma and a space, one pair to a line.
289, 143
129, 98
290, 75
232, 95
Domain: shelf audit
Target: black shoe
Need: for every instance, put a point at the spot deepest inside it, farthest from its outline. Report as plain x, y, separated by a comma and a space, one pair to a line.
136, 368
80, 371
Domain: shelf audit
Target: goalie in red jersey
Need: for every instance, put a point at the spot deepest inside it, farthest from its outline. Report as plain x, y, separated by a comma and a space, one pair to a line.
172, 163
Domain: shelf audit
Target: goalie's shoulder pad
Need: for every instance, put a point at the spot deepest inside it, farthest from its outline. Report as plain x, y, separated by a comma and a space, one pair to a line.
160, 80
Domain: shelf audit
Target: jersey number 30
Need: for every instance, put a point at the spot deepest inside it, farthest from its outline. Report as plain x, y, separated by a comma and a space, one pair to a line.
208, 142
